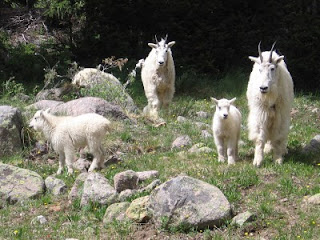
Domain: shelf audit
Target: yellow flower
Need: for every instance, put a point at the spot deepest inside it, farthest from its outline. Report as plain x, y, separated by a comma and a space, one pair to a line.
45, 203
318, 164
308, 186
246, 234
298, 236
313, 222
15, 232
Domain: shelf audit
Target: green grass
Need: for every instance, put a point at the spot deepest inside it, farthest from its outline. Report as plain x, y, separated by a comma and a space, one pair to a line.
273, 193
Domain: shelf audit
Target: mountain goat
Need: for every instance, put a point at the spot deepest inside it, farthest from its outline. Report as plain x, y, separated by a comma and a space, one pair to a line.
270, 97
67, 133
158, 77
226, 126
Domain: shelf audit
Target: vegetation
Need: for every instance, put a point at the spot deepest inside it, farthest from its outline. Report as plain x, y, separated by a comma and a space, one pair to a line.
274, 193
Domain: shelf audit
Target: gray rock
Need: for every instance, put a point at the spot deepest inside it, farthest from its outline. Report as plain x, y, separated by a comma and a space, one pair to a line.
202, 125
242, 218
116, 211
313, 146
97, 189
152, 185
188, 202
125, 194
44, 104
104, 84
55, 186
56, 93
77, 188
181, 119
82, 165
200, 148
126, 180
202, 114
181, 142
19, 184
138, 211
39, 219
313, 200
205, 134
147, 175
10, 130
89, 105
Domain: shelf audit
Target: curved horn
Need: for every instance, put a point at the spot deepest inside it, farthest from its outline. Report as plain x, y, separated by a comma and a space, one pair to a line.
271, 51
259, 51
155, 37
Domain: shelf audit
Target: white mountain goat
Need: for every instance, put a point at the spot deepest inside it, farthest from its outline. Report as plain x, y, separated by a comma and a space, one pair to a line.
158, 77
68, 133
226, 129
270, 97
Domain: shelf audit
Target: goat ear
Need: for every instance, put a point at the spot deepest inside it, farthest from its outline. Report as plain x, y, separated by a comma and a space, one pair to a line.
152, 45
170, 44
279, 59
47, 110
255, 59
232, 100
214, 100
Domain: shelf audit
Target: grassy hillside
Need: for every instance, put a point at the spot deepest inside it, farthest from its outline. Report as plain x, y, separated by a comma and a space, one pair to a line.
274, 193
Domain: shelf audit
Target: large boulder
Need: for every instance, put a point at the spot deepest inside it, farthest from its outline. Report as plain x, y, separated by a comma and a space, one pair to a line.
190, 203
116, 211
19, 184
10, 130
44, 104
96, 82
56, 93
96, 188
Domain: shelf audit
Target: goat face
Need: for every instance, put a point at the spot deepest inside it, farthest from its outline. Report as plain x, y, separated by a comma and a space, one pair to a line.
268, 73
161, 49
223, 107
37, 122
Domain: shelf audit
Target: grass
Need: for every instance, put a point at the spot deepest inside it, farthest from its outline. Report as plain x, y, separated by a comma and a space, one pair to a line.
273, 193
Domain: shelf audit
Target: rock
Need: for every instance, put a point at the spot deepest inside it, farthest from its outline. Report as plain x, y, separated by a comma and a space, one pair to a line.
116, 211
82, 165
44, 104
77, 188
90, 105
202, 125
202, 114
138, 210
205, 134
188, 202
125, 194
39, 219
104, 84
313, 146
10, 130
242, 218
200, 148
126, 180
181, 119
314, 200
142, 176
55, 185
181, 142
19, 184
97, 189
55, 93
151, 186
89, 232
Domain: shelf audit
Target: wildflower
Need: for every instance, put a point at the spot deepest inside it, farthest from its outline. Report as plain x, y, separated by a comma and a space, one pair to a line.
201, 231
45, 203
308, 186
15, 232
113, 167
313, 222
246, 234
298, 236
318, 164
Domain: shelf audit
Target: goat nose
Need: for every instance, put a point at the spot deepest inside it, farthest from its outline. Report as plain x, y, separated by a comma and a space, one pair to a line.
225, 115
161, 62
263, 89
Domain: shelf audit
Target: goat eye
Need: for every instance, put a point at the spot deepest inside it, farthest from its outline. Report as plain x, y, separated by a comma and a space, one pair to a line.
219, 108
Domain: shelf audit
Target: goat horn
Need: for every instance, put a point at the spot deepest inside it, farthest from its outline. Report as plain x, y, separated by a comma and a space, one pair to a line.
259, 50
155, 37
271, 51
165, 39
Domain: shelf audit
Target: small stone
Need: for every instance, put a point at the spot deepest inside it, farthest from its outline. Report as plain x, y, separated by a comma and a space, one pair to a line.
205, 134
39, 219
116, 211
82, 165
125, 194
202, 125
147, 175
152, 185
55, 185
202, 114
242, 218
181, 119
314, 200
126, 180
182, 142
138, 210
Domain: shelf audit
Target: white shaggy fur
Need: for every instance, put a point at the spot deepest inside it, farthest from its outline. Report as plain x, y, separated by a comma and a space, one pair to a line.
226, 129
270, 97
69, 133
158, 77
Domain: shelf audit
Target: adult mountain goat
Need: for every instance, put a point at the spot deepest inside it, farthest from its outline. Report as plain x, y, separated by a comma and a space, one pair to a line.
270, 97
67, 133
158, 77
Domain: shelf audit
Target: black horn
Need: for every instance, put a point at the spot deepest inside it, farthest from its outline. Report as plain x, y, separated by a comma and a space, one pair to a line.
259, 51
271, 51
